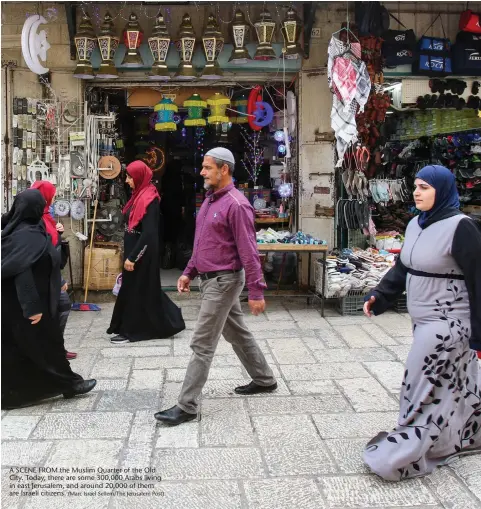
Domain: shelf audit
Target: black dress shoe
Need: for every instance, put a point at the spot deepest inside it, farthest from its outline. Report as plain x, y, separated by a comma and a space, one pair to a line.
253, 388
174, 415
80, 388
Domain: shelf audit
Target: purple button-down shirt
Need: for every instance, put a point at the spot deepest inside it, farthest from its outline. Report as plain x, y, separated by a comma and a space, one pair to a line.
225, 239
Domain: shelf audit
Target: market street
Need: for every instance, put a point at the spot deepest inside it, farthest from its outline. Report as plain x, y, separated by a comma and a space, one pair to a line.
339, 379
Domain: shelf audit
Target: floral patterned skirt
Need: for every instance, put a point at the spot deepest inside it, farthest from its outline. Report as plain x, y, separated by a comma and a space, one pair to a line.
440, 405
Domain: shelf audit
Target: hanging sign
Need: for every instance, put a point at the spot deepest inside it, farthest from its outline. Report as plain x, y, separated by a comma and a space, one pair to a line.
35, 45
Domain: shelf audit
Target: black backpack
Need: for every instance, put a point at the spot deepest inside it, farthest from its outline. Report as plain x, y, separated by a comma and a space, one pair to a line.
372, 18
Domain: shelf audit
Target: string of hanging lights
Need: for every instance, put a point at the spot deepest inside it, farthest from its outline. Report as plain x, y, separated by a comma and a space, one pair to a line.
185, 41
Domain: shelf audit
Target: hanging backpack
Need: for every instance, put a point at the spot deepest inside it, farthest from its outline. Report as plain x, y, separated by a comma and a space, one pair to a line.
469, 22
467, 54
372, 18
399, 46
434, 54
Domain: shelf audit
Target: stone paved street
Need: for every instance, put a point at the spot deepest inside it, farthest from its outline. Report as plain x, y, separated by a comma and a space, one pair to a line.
339, 380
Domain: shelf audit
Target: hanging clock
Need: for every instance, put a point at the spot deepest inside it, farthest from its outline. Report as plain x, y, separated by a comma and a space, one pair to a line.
77, 210
62, 208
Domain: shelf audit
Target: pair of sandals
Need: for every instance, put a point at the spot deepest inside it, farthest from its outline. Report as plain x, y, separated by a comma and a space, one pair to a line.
353, 214
355, 183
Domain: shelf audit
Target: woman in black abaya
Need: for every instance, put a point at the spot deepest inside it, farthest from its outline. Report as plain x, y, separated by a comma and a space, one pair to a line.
34, 366
142, 310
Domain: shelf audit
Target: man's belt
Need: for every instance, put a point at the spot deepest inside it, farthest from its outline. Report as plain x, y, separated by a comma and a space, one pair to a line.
211, 275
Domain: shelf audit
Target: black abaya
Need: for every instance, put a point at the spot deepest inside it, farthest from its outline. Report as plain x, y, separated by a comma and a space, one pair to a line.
142, 310
34, 366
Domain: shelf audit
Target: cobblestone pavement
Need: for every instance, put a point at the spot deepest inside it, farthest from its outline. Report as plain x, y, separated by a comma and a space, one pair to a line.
339, 380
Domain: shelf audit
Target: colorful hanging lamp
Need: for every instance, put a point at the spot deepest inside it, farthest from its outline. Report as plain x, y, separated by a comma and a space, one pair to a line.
85, 42
185, 45
165, 115
265, 27
133, 36
218, 104
240, 30
195, 104
108, 44
291, 30
240, 104
213, 43
159, 43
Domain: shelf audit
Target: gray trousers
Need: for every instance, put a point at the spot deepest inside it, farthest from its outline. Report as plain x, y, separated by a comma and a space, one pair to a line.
221, 314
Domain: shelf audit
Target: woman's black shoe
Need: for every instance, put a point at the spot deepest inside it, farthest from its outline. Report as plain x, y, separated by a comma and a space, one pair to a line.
80, 388
119, 340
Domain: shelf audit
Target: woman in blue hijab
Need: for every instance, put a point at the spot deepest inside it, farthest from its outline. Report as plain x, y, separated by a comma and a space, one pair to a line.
440, 270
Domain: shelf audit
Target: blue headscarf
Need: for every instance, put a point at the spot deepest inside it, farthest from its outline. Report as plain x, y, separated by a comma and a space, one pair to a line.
446, 203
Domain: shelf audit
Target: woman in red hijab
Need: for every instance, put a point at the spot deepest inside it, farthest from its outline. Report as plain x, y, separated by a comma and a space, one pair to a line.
142, 310
55, 231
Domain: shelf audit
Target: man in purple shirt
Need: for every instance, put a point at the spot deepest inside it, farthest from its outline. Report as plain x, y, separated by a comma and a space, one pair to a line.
225, 257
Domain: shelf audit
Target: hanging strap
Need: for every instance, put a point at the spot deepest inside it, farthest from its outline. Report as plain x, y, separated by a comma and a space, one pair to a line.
397, 21
434, 21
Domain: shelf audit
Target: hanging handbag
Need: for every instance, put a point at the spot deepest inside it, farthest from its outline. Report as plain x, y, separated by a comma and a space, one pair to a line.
469, 22
399, 46
434, 54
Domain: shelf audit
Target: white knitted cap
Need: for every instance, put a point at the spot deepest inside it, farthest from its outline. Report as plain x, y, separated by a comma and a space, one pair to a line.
221, 153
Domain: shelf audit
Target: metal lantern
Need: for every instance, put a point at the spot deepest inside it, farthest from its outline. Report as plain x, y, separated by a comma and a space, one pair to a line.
265, 27
108, 44
133, 35
291, 30
195, 104
218, 104
159, 44
240, 30
213, 44
85, 42
185, 45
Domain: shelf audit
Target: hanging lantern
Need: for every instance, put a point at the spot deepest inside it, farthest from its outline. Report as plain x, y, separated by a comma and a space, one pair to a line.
240, 105
213, 44
265, 27
165, 115
185, 45
108, 44
194, 105
85, 42
291, 30
240, 30
218, 104
133, 35
159, 44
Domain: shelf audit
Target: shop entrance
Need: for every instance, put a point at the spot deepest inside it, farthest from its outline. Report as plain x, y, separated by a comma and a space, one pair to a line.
175, 154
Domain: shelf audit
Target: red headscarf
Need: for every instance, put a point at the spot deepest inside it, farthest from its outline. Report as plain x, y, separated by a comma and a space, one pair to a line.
48, 192
143, 194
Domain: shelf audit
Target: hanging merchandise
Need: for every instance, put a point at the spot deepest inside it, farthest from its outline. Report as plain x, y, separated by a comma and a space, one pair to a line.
77, 210
350, 83
240, 116
466, 54
108, 44
265, 27
185, 45
434, 54
37, 167
159, 43
218, 104
109, 167
165, 112
77, 164
213, 43
61, 208
195, 105
34, 45
291, 30
399, 46
133, 36
253, 155
240, 30
469, 22
155, 158
85, 42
